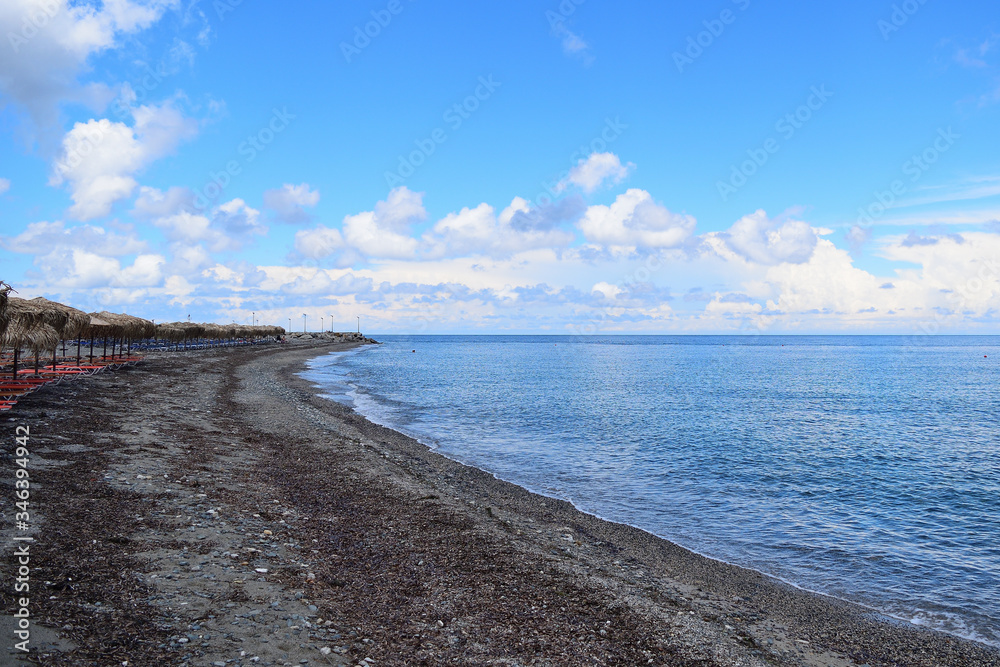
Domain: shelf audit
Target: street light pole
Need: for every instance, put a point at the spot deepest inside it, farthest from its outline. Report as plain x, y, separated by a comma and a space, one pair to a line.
331, 324
303, 322
322, 327
359, 324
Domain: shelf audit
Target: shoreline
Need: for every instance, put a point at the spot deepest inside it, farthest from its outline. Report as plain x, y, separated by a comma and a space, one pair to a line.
208, 467
435, 449
859, 609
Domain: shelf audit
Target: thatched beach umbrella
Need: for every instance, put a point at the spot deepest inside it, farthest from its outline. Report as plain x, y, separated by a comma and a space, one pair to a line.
265, 330
23, 317
213, 331
169, 332
179, 332
14, 336
4, 317
47, 313
23, 311
144, 328
97, 328
67, 321
41, 338
122, 327
186, 332
27, 328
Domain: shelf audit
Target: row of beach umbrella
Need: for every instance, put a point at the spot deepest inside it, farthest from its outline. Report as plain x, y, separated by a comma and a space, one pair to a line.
39, 325
179, 332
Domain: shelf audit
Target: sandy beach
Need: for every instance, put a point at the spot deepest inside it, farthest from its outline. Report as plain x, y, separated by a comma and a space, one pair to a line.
208, 508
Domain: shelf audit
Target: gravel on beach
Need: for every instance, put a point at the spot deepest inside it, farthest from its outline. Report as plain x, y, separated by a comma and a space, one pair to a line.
208, 508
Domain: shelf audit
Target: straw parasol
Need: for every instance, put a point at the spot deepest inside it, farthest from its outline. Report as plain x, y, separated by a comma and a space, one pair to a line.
120, 328
40, 338
126, 326
68, 322
179, 332
17, 331
4, 318
23, 329
45, 313
23, 312
27, 328
170, 332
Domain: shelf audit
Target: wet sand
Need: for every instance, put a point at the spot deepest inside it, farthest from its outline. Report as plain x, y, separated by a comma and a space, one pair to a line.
209, 508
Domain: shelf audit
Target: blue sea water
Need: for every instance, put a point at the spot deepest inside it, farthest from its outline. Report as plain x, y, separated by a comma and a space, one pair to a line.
864, 467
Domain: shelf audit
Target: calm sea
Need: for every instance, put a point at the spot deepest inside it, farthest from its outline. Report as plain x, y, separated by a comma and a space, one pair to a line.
864, 467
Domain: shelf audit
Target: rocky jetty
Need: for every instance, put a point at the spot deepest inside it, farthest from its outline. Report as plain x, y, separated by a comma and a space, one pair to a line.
332, 336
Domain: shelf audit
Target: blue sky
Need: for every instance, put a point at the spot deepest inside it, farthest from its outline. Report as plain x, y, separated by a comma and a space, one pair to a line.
581, 167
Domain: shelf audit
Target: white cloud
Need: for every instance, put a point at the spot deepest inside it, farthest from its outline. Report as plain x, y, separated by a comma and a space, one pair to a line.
146, 271
826, 283
635, 220
48, 44
385, 233
180, 289
227, 227
237, 223
590, 173
607, 290
154, 203
381, 233
323, 282
289, 201
4, 185
956, 272
952, 283
240, 274
100, 158
401, 209
470, 231
189, 258
319, 242
41, 237
479, 231
366, 233
756, 238
75, 268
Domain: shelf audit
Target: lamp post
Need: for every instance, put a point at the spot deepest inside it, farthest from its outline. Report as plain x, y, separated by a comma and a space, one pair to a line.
322, 327
359, 324
303, 322
331, 323
253, 317
289, 325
